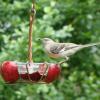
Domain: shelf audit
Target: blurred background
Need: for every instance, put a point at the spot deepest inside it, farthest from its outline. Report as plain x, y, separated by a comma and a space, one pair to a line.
75, 21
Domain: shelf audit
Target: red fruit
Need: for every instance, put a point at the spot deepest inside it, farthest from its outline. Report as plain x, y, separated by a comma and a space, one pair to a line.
24, 76
9, 72
53, 73
34, 76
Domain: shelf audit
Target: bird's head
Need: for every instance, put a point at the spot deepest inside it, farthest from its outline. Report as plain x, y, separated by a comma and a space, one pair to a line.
47, 40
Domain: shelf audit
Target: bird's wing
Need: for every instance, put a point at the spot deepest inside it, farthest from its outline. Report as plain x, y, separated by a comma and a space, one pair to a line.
69, 46
56, 48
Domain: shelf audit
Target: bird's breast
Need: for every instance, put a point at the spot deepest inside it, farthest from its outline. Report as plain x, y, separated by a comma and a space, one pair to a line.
54, 55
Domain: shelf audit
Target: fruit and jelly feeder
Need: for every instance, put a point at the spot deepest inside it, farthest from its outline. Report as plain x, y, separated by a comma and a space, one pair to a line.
18, 72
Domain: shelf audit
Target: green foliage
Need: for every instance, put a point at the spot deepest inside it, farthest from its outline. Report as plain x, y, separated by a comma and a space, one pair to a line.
75, 21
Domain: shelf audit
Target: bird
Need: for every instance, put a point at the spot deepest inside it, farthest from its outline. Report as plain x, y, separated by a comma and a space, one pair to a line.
63, 50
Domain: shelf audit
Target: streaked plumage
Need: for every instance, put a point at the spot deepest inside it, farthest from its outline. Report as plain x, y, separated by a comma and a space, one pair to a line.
64, 50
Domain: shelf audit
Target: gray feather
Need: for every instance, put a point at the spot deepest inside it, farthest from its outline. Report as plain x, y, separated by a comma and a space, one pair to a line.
57, 48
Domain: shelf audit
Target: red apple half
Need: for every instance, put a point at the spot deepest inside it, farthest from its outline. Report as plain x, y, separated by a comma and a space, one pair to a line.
9, 71
53, 73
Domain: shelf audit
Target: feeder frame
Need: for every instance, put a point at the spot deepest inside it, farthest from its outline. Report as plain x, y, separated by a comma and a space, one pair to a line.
30, 60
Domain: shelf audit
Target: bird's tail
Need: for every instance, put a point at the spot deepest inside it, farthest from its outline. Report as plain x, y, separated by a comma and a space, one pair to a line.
89, 45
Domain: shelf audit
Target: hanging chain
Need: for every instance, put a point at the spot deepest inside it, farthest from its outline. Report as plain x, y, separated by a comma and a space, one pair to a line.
31, 21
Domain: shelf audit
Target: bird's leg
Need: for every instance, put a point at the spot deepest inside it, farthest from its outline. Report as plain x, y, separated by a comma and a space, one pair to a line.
66, 59
45, 62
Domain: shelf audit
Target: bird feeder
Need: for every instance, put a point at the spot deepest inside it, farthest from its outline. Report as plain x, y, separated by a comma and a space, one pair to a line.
30, 72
